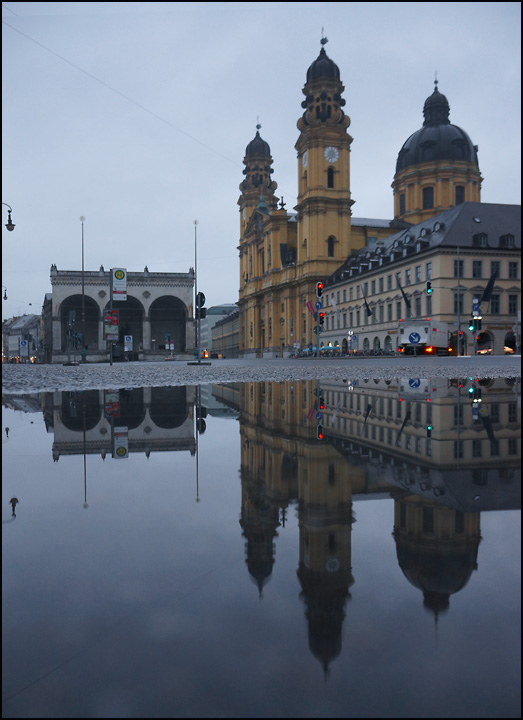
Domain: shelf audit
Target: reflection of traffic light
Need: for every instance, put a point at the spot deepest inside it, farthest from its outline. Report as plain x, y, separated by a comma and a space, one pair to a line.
475, 393
322, 403
428, 287
319, 289
319, 432
201, 413
322, 318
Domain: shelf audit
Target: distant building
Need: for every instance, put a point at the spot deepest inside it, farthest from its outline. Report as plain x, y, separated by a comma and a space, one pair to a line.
226, 336
213, 316
21, 339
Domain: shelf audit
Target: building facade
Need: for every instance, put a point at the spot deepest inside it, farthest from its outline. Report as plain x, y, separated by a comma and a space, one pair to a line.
154, 321
458, 251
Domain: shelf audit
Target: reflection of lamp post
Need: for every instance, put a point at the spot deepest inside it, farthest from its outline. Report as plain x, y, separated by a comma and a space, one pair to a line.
9, 224
5, 292
82, 219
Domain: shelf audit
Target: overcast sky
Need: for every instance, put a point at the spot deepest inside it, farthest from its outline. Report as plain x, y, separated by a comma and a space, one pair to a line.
137, 115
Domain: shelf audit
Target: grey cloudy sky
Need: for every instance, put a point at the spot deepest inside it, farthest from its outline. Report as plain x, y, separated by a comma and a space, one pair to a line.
137, 116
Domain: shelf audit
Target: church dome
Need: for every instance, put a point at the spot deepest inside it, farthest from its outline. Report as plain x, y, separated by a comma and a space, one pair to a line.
438, 139
323, 67
257, 147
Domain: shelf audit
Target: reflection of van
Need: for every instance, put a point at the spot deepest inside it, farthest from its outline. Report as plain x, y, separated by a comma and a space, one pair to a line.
205, 353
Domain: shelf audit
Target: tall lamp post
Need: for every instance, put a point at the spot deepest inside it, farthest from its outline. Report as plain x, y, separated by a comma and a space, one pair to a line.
197, 296
9, 224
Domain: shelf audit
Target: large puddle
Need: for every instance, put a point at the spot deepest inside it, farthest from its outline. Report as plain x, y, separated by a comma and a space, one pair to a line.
275, 549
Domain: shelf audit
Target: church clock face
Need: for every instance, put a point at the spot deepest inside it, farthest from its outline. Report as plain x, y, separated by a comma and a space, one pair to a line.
331, 154
304, 159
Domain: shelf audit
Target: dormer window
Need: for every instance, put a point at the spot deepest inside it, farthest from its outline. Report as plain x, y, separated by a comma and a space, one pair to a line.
506, 241
480, 240
438, 226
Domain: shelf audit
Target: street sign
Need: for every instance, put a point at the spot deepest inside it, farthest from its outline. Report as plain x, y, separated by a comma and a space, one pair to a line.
121, 443
414, 338
128, 343
318, 305
111, 324
475, 307
119, 284
319, 416
415, 383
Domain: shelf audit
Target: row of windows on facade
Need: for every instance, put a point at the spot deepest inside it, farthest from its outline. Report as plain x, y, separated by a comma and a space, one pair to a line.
476, 448
428, 198
335, 321
360, 318
406, 278
337, 399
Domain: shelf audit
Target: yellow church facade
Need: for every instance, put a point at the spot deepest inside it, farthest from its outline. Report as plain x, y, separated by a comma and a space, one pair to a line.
285, 254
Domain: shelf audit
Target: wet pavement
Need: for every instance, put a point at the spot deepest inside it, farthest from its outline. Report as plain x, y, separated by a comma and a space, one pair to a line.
47, 378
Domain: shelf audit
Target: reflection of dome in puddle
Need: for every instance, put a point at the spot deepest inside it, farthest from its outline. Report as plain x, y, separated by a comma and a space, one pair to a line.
438, 571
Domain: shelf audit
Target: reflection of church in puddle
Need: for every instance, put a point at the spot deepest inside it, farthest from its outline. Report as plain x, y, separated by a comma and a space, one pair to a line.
426, 448
432, 447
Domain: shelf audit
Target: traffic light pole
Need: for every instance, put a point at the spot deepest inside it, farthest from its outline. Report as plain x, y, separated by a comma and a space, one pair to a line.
319, 295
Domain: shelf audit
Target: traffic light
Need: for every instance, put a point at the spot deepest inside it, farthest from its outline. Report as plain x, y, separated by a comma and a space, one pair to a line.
428, 287
322, 318
477, 323
471, 324
319, 432
201, 312
319, 289
429, 431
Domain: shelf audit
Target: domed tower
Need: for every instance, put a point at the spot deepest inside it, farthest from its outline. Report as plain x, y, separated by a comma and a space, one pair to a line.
437, 167
323, 147
257, 183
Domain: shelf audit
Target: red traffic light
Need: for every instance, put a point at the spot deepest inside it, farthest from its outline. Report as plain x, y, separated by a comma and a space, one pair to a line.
319, 289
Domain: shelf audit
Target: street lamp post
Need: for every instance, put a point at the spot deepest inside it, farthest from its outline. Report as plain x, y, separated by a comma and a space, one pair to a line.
9, 224
197, 304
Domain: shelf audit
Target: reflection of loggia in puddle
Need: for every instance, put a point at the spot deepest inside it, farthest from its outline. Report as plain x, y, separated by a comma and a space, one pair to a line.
119, 422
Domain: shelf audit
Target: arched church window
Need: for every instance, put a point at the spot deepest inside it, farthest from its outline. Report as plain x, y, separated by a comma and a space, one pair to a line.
459, 193
428, 198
